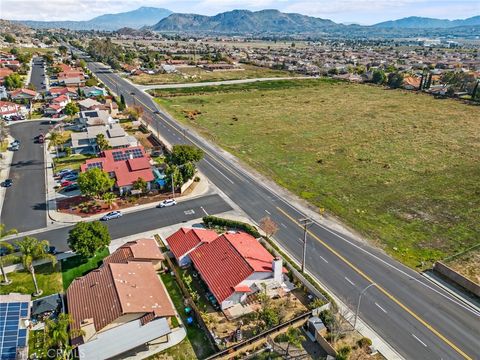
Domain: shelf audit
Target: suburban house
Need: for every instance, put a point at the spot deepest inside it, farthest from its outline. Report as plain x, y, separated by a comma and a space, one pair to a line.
52, 109
233, 265
183, 241
411, 83
86, 142
91, 104
23, 94
125, 165
122, 306
96, 117
71, 92
4, 72
92, 91
10, 108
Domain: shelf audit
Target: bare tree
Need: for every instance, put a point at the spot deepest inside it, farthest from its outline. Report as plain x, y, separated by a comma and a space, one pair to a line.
268, 226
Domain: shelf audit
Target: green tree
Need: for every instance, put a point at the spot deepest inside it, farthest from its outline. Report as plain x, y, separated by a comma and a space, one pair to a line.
94, 182
91, 82
379, 77
140, 184
294, 337
87, 238
63, 50
71, 109
188, 171
395, 80
122, 105
6, 250
173, 171
57, 335
102, 142
109, 199
12, 81
182, 154
83, 64
9, 38
55, 139
33, 249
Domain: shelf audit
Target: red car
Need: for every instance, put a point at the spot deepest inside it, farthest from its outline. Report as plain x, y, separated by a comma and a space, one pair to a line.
64, 183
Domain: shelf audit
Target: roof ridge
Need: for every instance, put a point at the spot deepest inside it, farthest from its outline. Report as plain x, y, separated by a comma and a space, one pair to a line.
236, 251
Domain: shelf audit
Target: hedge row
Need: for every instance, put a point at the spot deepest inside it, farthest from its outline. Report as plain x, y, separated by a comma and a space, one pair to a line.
212, 221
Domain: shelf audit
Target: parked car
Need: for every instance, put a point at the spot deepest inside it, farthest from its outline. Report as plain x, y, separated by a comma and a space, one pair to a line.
51, 249
15, 142
111, 215
166, 203
70, 176
63, 172
65, 183
41, 139
70, 188
15, 148
7, 183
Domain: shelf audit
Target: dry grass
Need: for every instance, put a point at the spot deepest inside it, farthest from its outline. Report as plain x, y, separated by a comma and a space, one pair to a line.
468, 265
194, 75
400, 167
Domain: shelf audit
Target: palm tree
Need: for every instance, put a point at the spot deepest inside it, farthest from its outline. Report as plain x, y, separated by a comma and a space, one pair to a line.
33, 249
57, 334
5, 251
109, 199
55, 140
294, 337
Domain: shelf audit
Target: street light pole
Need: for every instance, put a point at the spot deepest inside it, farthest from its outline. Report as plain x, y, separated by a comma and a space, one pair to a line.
358, 304
305, 222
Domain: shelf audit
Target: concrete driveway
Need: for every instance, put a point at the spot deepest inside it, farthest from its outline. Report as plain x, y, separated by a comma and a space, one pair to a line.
24, 207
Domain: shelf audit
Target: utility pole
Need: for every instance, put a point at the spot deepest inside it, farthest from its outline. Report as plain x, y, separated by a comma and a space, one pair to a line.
305, 222
358, 304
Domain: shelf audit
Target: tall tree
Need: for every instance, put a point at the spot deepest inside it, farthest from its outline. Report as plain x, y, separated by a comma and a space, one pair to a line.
109, 199
102, 142
87, 238
5, 251
379, 77
94, 182
182, 154
294, 337
57, 334
33, 249
71, 109
55, 139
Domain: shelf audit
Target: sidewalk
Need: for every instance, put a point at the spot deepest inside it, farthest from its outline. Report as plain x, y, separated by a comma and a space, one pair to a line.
5, 163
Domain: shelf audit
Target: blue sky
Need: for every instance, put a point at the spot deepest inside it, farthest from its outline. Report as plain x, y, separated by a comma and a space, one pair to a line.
346, 11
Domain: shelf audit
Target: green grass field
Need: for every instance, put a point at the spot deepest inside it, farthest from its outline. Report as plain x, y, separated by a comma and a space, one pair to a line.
49, 279
401, 168
195, 75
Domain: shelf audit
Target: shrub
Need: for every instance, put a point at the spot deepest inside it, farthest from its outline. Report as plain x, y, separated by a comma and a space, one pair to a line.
343, 352
364, 342
212, 221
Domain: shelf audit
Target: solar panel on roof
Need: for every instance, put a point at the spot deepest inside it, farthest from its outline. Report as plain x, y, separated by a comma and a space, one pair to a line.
11, 337
126, 154
94, 165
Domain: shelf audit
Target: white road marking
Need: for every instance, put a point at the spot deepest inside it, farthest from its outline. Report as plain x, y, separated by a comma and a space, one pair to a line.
420, 341
381, 308
350, 281
268, 212
213, 166
205, 211
189, 212
282, 224
321, 257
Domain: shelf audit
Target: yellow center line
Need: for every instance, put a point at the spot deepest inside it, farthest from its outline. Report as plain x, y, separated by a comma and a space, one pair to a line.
390, 296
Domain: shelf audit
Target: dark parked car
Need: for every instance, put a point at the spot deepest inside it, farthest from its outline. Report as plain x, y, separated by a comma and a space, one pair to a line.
7, 183
70, 188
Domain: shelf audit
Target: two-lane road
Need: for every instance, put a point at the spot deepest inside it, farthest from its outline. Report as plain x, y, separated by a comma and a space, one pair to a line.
415, 317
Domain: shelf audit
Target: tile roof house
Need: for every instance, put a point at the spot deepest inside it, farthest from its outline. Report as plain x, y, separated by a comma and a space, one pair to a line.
183, 241
21, 94
122, 305
10, 108
96, 117
4, 72
233, 265
125, 165
86, 142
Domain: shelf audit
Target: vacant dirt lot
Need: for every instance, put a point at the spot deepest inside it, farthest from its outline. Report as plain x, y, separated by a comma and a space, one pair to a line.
400, 167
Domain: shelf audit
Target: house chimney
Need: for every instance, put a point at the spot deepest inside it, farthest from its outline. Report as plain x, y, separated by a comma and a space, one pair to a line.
277, 267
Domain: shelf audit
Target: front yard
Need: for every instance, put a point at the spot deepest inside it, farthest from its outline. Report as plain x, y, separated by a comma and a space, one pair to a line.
74, 267
70, 162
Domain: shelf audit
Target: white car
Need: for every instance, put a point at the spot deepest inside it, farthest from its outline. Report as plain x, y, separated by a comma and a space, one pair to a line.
167, 203
111, 215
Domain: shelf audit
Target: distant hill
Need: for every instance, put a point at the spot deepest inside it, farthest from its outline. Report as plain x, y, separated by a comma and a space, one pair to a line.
144, 16
245, 21
415, 22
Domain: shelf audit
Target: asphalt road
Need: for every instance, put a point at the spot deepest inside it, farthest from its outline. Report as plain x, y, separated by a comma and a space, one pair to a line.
414, 316
24, 207
145, 220
38, 75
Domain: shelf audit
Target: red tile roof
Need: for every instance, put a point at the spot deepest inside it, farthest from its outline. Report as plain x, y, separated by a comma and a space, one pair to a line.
141, 249
184, 240
251, 250
126, 171
221, 267
60, 98
24, 91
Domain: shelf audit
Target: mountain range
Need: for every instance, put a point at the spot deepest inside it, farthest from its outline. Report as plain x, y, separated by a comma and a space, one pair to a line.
249, 22
144, 16
415, 22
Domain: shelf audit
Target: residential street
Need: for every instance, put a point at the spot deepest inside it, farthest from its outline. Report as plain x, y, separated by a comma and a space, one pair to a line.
38, 75
24, 206
146, 220
417, 318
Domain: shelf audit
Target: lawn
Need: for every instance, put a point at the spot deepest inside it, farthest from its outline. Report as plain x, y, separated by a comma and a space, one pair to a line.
182, 351
49, 280
195, 75
74, 267
399, 167
71, 162
199, 344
